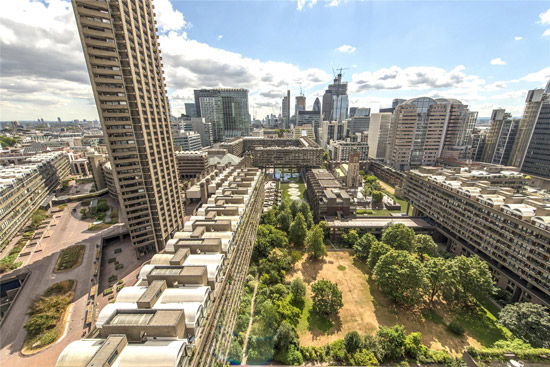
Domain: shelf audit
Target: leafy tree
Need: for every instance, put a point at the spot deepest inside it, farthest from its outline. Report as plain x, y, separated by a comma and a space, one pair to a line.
284, 219
298, 230
260, 349
314, 243
235, 352
285, 337
529, 321
268, 315
353, 342
269, 217
350, 238
362, 247
399, 237
284, 206
377, 250
288, 312
325, 156
267, 238
377, 196
370, 180
401, 277
424, 244
298, 292
392, 342
324, 226
279, 291
326, 297
414, 346
437, 275
294, 207
306, 212
470, 278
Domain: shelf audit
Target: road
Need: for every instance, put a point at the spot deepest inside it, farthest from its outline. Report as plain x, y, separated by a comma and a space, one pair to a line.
68, 231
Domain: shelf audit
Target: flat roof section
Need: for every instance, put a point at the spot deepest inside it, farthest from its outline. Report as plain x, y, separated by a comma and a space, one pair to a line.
377, 222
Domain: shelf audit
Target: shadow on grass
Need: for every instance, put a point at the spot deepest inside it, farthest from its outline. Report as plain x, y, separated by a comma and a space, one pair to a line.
311, 269
322, 325
481, 324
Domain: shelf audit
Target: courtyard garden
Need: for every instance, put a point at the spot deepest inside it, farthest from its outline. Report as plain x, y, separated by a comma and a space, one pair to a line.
388, 300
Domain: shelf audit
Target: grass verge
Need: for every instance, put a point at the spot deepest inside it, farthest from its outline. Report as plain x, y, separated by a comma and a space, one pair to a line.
46, 322
70, 258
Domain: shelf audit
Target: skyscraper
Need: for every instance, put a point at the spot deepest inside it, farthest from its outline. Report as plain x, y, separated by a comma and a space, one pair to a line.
421, 129
500, 138
533, 104
190, 110
335, 100
317, 105
378, 134
226, 109
537, 157
286, 110
300, 104
120, 44
236, 118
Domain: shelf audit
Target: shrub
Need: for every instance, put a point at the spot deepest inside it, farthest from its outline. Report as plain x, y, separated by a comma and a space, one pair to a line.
111, 260
107, 291
118, 250
338, 351
352, 342
119, 266
455, 328
112, 278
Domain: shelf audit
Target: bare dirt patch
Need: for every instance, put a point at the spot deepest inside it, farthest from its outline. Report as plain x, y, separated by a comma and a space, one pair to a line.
365, 308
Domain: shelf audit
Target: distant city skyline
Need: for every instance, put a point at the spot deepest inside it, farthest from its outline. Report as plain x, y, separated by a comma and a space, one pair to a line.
453, 50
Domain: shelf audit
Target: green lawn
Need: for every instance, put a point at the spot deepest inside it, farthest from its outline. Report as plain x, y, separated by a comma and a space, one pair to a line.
309, 321
482, 325
285, 187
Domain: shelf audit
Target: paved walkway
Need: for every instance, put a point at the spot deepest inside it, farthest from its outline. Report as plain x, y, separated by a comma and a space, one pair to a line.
68, 231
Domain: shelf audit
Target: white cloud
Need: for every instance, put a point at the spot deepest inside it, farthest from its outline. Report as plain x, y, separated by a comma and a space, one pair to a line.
540, 76
518, 38
414, 78
498, 61
546, 33
168, 19
544, 18
301, 4
220, 37
346, 49
190, 64
38, 79
496, 86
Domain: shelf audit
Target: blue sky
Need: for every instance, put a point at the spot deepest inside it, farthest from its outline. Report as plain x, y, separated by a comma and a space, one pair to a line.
485, 53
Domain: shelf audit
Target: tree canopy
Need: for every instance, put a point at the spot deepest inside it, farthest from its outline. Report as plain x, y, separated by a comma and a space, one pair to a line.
424, 244
377, 250
529, 321
469, 277
298, 230
363, 245
326, 297
401, 277
399, 237
284, 219
314, 242
377, 196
